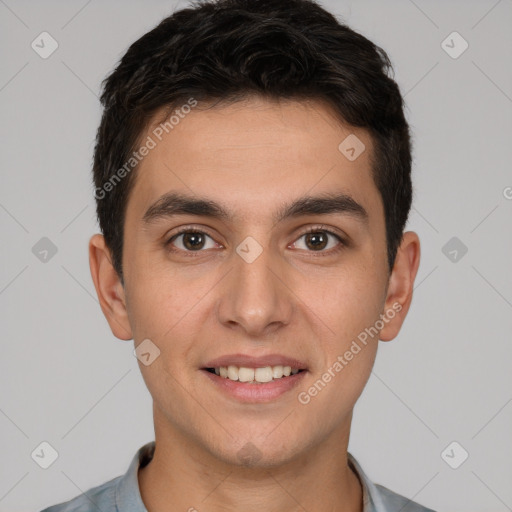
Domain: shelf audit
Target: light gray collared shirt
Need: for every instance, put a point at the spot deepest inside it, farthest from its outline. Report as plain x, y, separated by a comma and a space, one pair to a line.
122, 494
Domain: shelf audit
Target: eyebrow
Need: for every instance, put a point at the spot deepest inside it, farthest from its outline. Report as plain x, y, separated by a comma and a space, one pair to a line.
175, 203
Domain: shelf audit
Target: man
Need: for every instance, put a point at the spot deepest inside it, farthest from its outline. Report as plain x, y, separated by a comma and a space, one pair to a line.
252, 177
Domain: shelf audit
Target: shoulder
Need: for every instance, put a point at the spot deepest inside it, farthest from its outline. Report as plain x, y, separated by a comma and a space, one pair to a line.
101, 497
393, 501
120, 494
377, 498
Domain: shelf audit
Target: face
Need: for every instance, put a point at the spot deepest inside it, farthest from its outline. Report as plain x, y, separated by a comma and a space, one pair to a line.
239, 273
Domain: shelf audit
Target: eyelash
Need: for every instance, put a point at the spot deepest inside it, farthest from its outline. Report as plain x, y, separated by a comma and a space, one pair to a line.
315, 229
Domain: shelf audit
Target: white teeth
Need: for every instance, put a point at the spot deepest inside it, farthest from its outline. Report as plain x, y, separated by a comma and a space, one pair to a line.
277, 372
232, 372
264, 374
246, 374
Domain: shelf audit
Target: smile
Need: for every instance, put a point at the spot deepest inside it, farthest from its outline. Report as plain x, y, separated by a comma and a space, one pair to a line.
254, 375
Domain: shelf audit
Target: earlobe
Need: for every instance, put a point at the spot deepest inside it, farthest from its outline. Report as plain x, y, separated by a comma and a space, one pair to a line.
109, 288
401, 285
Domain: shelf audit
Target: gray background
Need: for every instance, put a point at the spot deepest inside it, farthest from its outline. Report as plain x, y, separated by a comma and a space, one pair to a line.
447, 377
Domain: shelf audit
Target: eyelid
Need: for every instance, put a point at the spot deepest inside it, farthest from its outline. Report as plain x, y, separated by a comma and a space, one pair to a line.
327, 229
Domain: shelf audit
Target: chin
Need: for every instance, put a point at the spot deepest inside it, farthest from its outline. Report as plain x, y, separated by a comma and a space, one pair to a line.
253, 454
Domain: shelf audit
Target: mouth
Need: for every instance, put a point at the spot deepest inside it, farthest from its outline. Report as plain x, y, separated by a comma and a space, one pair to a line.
260, 375
254, 379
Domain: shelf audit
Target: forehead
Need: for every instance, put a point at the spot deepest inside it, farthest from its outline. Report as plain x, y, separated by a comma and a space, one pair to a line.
253, 153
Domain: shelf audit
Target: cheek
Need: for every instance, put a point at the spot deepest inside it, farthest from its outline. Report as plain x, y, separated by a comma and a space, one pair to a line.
348, 307
159, 299
165, 307
347, 301
328, 401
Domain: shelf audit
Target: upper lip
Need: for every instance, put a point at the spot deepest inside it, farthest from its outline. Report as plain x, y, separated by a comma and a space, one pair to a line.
248, 361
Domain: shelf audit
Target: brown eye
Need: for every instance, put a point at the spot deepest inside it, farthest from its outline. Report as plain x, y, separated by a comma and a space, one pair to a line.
316, 241
319, 240
191, 241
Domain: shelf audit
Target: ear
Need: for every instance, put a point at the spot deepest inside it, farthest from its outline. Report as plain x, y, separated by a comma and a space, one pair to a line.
109, 288
401, 285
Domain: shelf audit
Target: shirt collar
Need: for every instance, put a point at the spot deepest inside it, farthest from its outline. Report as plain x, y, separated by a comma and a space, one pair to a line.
128, 498
372, 500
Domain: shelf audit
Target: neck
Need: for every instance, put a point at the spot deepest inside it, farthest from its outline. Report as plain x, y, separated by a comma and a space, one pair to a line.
186, 477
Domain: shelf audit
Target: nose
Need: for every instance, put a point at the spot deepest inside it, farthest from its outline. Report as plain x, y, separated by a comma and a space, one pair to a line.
255, 298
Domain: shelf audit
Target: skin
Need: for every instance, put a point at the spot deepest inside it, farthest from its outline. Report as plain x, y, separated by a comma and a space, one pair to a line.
294, 299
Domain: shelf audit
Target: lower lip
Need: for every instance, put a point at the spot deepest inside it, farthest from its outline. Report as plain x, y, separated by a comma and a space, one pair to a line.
257, 392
